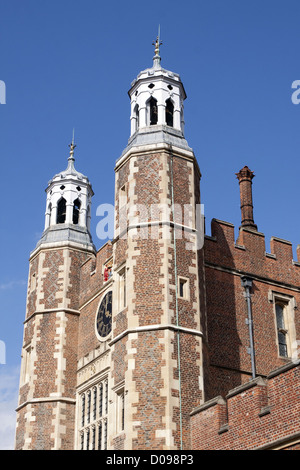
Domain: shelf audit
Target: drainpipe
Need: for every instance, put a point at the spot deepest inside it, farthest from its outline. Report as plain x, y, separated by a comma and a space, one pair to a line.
247, 284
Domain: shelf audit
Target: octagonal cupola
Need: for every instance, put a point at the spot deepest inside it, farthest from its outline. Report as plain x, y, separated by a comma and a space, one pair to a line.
157, 97
157, 110
68, 206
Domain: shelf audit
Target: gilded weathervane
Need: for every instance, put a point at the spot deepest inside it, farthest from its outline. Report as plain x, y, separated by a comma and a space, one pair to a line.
157, 43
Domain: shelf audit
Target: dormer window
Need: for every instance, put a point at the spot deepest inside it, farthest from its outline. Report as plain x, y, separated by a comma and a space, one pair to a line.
76, 209
169, 113
61, 211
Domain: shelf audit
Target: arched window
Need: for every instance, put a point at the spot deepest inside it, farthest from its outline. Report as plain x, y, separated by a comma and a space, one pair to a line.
182, 119
137, 117
76, 209
282, 332
61, 211
88, 215
169, 113
153, 111
48, 215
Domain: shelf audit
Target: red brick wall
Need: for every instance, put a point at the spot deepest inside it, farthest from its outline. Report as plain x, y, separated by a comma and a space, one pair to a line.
149, 297
228, 334
91, 288
44, 383
91, 273
51, 331
260, 414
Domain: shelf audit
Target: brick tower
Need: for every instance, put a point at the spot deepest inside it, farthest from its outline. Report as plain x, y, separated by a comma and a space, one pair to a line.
113, 348
46, 409
156, 345
133, 347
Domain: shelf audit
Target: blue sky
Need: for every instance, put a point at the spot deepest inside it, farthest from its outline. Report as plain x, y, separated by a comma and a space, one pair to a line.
69, 64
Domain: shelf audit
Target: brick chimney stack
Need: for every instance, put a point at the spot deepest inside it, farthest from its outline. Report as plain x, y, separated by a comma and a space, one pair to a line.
245, 177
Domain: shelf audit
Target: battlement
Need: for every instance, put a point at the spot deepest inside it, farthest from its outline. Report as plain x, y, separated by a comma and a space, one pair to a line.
249, 412
248, 253
92, 272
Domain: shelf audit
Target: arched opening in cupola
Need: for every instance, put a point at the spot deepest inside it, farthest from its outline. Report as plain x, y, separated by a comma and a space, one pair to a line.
137, 116
49, 212
61, 211
76, 209
88, 216
169, 113
152, 111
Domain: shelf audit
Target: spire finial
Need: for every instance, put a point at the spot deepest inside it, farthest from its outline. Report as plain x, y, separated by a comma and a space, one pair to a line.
72, 147
157, 44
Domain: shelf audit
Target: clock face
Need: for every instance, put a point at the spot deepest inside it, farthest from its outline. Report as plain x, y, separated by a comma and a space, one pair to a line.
104, 316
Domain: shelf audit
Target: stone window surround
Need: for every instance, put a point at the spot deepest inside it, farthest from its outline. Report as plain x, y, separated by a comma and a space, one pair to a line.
289, 305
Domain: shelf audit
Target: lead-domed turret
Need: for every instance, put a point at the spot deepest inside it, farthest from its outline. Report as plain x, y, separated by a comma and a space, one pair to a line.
157, 111
68, 207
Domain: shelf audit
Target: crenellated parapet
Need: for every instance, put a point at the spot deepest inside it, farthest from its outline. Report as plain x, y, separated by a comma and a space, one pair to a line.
252, 298
248, 255
250, 411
